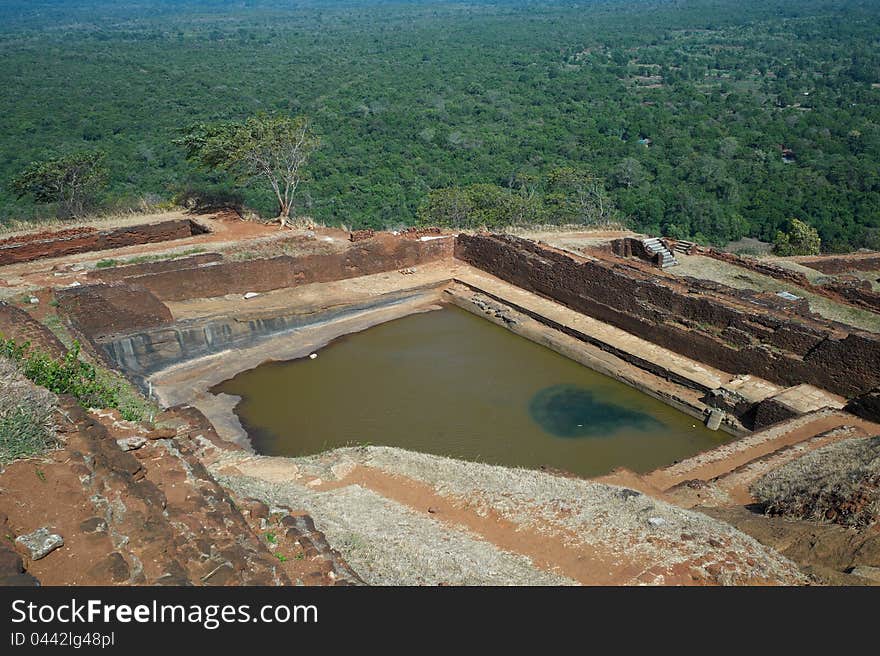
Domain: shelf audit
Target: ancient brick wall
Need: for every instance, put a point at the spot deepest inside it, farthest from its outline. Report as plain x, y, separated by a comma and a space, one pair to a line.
842, 292
786, 349
769, 412
104, 309
867, 405
361, 235
831, 264
134, 303
764, 268
84, 240
862, 296
382, 253
629, 247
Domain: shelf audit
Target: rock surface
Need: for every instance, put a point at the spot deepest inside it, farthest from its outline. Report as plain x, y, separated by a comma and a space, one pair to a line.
40, 543
153, 515
829, 553
871, 573
131, 443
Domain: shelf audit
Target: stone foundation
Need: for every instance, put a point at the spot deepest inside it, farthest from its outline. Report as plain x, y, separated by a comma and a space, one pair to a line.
83, 240
693, 319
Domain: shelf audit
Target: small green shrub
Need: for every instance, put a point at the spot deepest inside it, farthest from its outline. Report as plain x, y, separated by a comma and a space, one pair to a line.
70, 375
801, 239
106, 264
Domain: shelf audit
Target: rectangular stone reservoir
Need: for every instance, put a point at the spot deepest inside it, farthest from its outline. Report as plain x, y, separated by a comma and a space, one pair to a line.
450, 383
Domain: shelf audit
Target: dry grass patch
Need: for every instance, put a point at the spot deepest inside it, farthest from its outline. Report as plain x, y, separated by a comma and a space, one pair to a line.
839, 483
102, 221
27, 416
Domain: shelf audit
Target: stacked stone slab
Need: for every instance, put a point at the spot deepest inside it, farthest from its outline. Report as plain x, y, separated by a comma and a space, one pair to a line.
656, 247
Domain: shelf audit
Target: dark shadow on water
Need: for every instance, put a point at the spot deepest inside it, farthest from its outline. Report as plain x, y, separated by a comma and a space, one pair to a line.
572, 411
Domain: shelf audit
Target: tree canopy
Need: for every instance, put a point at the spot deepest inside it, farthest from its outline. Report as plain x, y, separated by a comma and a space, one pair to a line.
800, 239
67, 181
273, 148
707, 119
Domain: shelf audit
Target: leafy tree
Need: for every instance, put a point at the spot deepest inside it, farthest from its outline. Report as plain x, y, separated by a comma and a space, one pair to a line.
579, 198
800, 239
480, 205
447, 207
70, 181
272, 147
496, 207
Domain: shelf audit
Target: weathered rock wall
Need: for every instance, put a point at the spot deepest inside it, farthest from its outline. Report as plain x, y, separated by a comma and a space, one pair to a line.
857, 295
114, 274
785, 349
142, 353
84, 240
135, 506
130, 299
867, 405
769, 412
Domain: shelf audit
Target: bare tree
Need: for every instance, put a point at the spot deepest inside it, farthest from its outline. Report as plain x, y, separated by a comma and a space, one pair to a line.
577, 197
271, 147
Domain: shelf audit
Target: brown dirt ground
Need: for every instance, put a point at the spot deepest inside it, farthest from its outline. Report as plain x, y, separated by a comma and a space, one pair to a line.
588, 566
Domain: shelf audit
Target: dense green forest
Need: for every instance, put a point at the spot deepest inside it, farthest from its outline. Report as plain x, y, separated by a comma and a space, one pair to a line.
709, 119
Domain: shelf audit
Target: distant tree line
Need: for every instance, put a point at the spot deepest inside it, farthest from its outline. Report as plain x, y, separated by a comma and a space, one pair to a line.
708, 120
565, 196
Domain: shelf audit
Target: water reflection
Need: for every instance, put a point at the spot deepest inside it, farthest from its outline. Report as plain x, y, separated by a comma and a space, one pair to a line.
572, 411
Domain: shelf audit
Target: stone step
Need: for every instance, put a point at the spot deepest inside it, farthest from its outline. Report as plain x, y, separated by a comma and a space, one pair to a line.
745, 474
656, 247
731, 455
